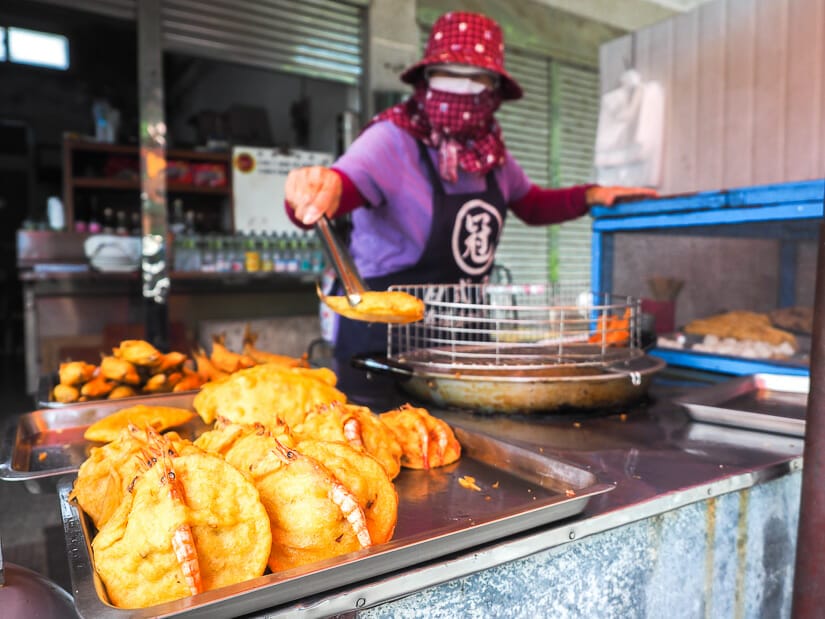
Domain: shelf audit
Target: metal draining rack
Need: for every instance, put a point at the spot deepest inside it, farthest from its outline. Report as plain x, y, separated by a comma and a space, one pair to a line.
516, 327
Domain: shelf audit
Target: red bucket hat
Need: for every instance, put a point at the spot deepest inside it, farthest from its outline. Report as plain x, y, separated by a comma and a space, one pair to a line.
466, 38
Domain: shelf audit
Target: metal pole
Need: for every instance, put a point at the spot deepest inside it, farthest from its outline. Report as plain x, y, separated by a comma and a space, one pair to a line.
154, 267
809, 574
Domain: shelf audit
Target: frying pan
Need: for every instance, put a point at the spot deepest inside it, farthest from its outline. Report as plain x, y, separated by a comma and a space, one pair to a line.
504, 390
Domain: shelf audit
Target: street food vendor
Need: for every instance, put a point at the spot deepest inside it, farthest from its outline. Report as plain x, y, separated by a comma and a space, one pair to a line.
429, 181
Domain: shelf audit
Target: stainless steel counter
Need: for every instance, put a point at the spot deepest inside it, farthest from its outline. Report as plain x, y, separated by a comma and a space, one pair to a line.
660, 460
666, 468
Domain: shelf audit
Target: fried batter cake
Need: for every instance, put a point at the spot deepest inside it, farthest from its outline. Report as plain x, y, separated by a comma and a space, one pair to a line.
158, 417
104, 477
365, 478
357, 426
427, 442
313, 515
391, 306
191, 523
742, 325
266, 393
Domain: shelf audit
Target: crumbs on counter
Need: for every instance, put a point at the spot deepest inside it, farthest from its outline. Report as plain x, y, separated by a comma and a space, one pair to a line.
469, 483
42, 456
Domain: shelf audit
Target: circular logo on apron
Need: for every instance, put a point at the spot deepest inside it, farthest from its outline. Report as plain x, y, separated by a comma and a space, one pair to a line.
475, 235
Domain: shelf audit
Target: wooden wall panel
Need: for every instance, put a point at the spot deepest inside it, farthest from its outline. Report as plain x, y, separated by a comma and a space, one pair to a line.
770, 89
710, 98
745, 91
738, 84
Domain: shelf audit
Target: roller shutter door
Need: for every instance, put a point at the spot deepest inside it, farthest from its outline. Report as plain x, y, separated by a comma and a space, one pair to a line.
316, 38
576, 113
123, 9
524, 251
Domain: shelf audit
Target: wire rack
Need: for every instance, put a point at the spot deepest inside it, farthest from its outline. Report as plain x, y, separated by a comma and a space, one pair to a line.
516, 327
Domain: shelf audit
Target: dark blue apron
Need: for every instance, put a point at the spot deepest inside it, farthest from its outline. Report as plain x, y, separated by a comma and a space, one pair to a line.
464, 233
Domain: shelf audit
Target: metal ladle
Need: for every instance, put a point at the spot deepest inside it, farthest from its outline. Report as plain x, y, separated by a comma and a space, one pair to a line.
354, 286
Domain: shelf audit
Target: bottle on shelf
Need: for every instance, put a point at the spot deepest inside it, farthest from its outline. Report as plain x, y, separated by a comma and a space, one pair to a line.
108, 220
136, 228
252, 255
95, 224
121, 227
238, 261
293, 261
222, 261
208, 254
281, 252
267, 258
177, 223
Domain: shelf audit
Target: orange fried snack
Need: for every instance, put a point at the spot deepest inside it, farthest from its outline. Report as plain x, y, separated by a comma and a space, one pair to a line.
65, 394
312, 514
138, 352
390, 306
365, 478
355, 425
158, 417
612, 330
266, 393
191, 523
226, 360
427, 442
73, 373
119, 370
104, 477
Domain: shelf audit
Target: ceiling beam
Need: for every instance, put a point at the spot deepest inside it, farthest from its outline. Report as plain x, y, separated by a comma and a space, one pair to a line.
628, 15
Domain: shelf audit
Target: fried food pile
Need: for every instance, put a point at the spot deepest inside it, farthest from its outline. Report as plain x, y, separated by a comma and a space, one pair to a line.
288, 474
136, 368
743, 333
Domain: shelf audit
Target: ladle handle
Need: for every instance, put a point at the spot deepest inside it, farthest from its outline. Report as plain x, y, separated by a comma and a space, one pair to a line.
342, 262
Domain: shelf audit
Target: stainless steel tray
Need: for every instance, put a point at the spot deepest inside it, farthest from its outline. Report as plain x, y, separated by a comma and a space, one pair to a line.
520, 490
49, 442
766, 402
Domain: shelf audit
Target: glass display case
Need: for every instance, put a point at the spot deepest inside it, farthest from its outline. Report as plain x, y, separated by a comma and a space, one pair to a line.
751, 249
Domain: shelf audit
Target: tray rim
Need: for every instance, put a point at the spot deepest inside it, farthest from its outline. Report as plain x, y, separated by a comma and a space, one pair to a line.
10, 428
272, 590
705, 405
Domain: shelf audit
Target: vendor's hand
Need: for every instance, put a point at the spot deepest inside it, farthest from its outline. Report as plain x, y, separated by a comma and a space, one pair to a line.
606, 196
312, 192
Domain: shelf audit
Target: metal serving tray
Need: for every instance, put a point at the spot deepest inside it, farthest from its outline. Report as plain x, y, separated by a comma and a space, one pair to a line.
766, 402
520, 490
49, 442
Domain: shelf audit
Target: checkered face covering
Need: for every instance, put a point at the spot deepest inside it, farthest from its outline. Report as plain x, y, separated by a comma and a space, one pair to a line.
461, 127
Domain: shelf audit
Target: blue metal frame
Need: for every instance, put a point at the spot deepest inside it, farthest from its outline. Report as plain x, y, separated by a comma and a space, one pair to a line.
751, 212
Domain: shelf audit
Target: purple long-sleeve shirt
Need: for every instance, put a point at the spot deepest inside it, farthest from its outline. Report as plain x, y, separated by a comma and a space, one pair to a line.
391, 233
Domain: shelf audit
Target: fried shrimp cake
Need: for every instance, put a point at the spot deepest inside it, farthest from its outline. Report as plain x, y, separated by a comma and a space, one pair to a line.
158, 417
365, 478
389, 306
356, 425
191, 523
104, 477
251, 439
427, 442
266, 393
313, 515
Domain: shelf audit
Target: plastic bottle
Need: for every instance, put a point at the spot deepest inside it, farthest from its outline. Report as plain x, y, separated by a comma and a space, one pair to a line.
208, 254
267, 261
282, 251
294, 260
252, 256
237, 253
